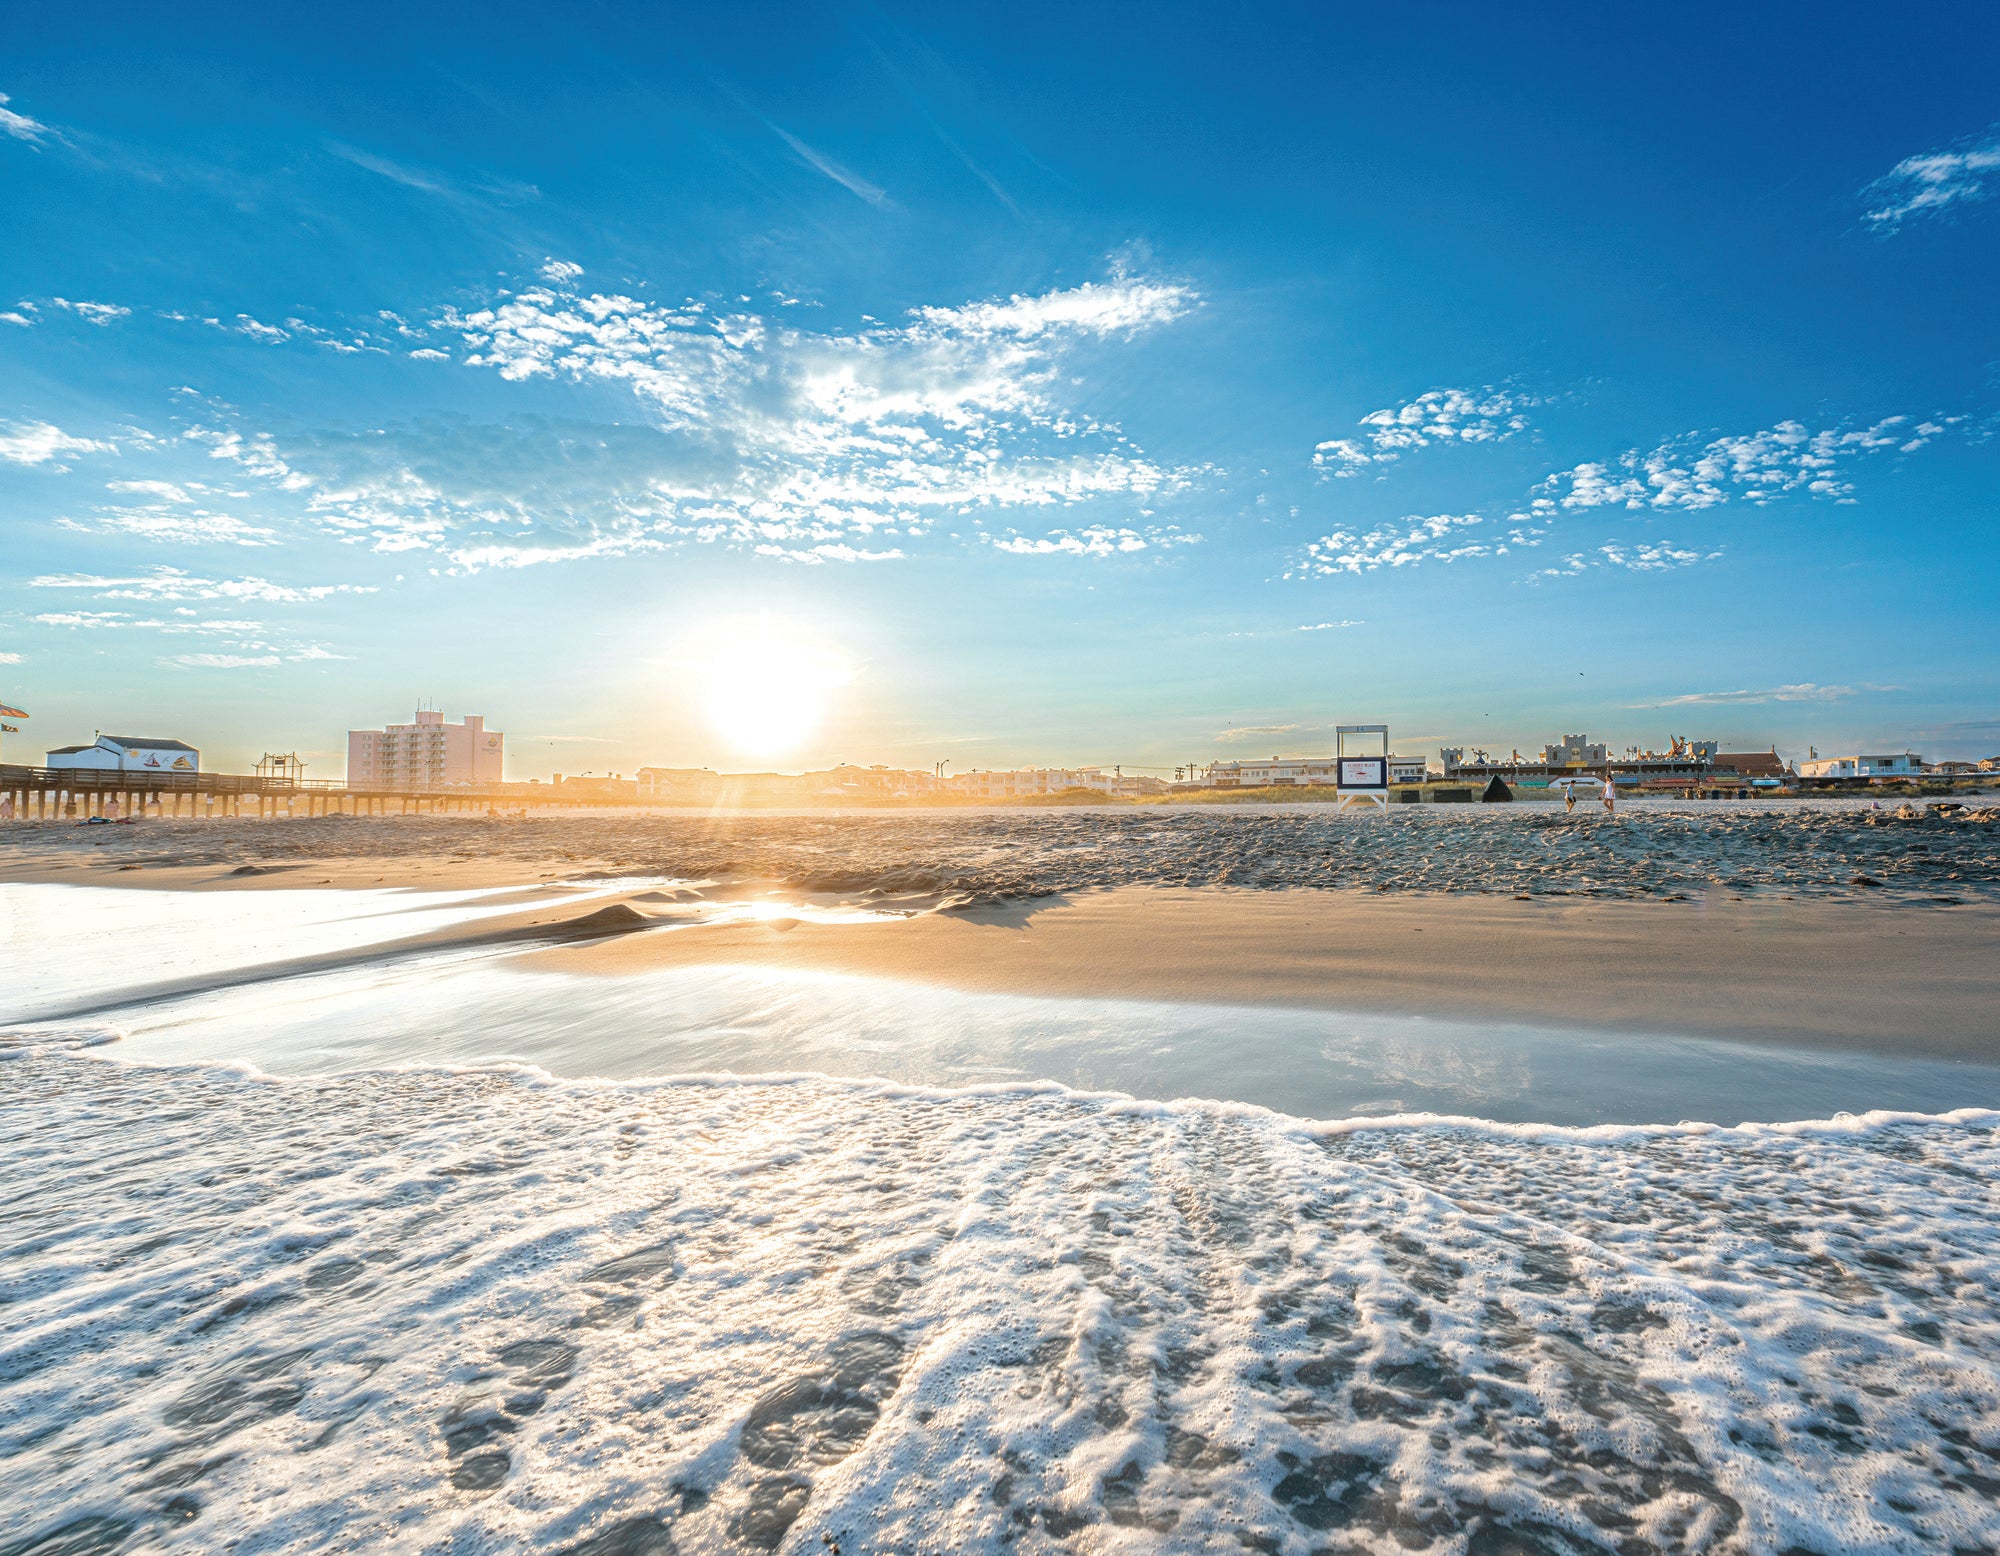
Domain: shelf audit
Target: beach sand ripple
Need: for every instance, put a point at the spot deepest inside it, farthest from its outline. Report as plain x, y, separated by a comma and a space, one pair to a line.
1651, 849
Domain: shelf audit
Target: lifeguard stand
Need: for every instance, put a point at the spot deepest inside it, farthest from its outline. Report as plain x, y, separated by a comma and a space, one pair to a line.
1361, 766
282, 768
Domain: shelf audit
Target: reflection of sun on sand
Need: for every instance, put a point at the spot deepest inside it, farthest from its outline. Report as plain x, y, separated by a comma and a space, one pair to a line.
1831, 974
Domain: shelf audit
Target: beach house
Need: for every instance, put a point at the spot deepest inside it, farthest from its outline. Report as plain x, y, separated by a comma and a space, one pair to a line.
128, 754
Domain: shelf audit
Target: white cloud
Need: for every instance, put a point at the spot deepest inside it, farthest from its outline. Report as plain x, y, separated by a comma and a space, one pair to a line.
38, 442
1645, 557
11, 659
1092, 540
474, 558
1757, 467
429, 354
13, 317
223, 661
819, 162
257, 454
1803, 691
92, 313
828, 551
1407, 542
1652, 556
170, 583
1120, 307
196, 527
1933, 183
270, 334
560, 271
1438, 416
166, 491
1330, 626
813, 442
1241, 732
19, 125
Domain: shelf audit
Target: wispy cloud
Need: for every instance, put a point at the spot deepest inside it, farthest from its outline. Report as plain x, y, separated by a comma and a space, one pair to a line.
382, 167
1934, 183
170, 583
19, 125
1406, 542
1329, 626
1093, 540
1238, 733
1645, 557
428, 181
820, 162
170, 524
1438, 416
93, 313
804, 445
223, 661
40, 442
1803, 691
1758, 467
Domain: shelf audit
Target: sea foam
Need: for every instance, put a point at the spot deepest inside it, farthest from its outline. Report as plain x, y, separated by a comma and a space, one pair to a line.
483, 1310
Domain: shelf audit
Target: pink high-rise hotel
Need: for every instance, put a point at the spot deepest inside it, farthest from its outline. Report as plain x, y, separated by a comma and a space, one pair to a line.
429, 754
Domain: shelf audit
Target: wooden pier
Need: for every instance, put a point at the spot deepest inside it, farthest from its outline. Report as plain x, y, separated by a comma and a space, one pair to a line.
78, 794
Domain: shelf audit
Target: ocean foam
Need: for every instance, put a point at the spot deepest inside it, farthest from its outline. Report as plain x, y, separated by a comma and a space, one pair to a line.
491, 1311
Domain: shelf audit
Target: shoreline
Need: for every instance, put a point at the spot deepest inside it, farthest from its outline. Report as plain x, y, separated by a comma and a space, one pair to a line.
1898, 979
1833, 976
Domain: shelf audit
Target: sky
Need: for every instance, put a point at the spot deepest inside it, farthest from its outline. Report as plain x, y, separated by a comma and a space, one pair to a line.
773, 386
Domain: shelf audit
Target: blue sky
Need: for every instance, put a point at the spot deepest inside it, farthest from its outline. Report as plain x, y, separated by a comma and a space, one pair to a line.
1065, 384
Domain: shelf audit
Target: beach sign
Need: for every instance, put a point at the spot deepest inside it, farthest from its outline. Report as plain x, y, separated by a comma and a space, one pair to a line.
1361, 765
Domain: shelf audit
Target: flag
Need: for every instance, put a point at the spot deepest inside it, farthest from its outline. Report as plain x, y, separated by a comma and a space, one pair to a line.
12, 713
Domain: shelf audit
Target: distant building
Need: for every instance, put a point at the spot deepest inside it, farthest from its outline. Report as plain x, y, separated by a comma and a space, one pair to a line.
428, 754
1027, 782
877, 782
1576, 754
1575, 751
1282, 772
679, 785
128, 754
1750, 764
589, 787
1905, 764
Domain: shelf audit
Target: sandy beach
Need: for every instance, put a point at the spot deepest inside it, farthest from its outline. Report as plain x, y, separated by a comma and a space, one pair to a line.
1837, 975
779, 1160
1892, 967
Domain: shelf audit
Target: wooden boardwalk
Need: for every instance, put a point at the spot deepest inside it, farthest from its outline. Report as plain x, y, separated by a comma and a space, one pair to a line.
77, 794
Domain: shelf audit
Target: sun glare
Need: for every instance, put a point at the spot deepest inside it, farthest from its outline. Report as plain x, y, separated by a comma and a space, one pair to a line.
767, 694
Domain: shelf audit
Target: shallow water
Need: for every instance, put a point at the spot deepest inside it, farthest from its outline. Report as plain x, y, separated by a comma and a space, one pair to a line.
436, 1304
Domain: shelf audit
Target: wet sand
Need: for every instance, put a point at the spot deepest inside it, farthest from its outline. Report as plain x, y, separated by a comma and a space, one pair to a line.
1837, 975
1599, 938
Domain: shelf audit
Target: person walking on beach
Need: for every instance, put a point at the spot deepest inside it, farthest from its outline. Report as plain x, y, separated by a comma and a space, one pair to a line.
1610, 796
1569, 798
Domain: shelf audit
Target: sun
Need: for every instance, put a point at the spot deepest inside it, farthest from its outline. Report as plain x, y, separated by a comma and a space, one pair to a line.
766, 693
